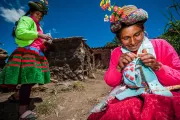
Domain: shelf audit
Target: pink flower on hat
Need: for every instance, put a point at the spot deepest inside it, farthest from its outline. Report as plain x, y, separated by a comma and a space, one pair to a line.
123, 16
116, 18
120, 12
115, 8
104, 7
108, 4
112, 18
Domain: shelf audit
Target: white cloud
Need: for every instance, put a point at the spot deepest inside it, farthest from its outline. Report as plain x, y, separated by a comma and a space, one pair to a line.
54, 30
22, 7
11, 15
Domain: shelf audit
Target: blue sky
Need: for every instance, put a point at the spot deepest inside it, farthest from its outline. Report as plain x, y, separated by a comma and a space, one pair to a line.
67, 18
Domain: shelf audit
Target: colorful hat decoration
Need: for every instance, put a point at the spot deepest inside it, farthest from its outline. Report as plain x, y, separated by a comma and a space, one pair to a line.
128, 15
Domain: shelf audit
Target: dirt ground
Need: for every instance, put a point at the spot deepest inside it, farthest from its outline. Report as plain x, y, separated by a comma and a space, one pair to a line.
70, 100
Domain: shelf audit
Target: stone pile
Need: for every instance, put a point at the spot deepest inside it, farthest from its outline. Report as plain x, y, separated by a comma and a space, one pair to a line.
3, 57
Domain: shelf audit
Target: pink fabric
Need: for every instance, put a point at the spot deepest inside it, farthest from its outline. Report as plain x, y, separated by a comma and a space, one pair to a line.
169, 74
146, 106
38, 43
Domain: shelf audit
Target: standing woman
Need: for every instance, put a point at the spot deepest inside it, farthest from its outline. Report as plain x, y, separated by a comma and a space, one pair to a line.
141, 72
27, 65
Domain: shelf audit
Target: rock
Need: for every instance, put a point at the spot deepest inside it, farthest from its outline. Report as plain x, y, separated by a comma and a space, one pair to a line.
65, 77
53, 80
85, 77
3, 57
38, 87
80, 77
92, 76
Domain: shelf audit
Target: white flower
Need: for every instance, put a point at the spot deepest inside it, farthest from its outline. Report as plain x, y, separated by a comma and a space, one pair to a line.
106, 20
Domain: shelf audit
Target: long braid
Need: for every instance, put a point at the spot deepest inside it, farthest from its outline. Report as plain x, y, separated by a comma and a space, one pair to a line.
16, 23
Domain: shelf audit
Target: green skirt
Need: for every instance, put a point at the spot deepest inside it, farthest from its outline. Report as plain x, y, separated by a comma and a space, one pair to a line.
25, 66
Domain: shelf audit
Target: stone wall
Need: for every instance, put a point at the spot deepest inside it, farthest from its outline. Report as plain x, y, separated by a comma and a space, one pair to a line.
3, 57
102, 56
70, 58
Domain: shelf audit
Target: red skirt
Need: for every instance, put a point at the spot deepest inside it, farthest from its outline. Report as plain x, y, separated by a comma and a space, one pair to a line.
145, 107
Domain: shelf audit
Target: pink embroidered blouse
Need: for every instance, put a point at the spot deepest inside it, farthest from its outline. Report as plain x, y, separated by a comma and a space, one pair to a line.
168, 74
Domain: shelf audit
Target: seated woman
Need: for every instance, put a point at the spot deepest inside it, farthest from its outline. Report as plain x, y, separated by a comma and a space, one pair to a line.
141, 72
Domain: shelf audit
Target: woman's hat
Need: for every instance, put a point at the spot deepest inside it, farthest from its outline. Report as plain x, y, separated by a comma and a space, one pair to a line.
127, 15
40, 6
133, 15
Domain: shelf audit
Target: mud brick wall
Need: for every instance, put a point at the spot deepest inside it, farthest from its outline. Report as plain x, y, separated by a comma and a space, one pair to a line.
70, 59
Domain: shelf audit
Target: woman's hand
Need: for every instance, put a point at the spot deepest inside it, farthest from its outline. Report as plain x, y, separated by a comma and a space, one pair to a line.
125, 59
44, 36
149, 60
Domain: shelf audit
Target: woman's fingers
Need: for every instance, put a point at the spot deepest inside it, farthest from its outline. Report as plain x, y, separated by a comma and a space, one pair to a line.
146, 56
131, 55
148, 59
44, 36
126, 59
48, 37
121, 65
121, 62
141, 55
151, 65
144, 51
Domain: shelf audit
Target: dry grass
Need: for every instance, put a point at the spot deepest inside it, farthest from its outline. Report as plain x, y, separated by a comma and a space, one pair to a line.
46, 107
78, 86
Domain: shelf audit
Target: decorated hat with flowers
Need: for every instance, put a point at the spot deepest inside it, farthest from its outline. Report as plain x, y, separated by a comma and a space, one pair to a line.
42, 6
127, 15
